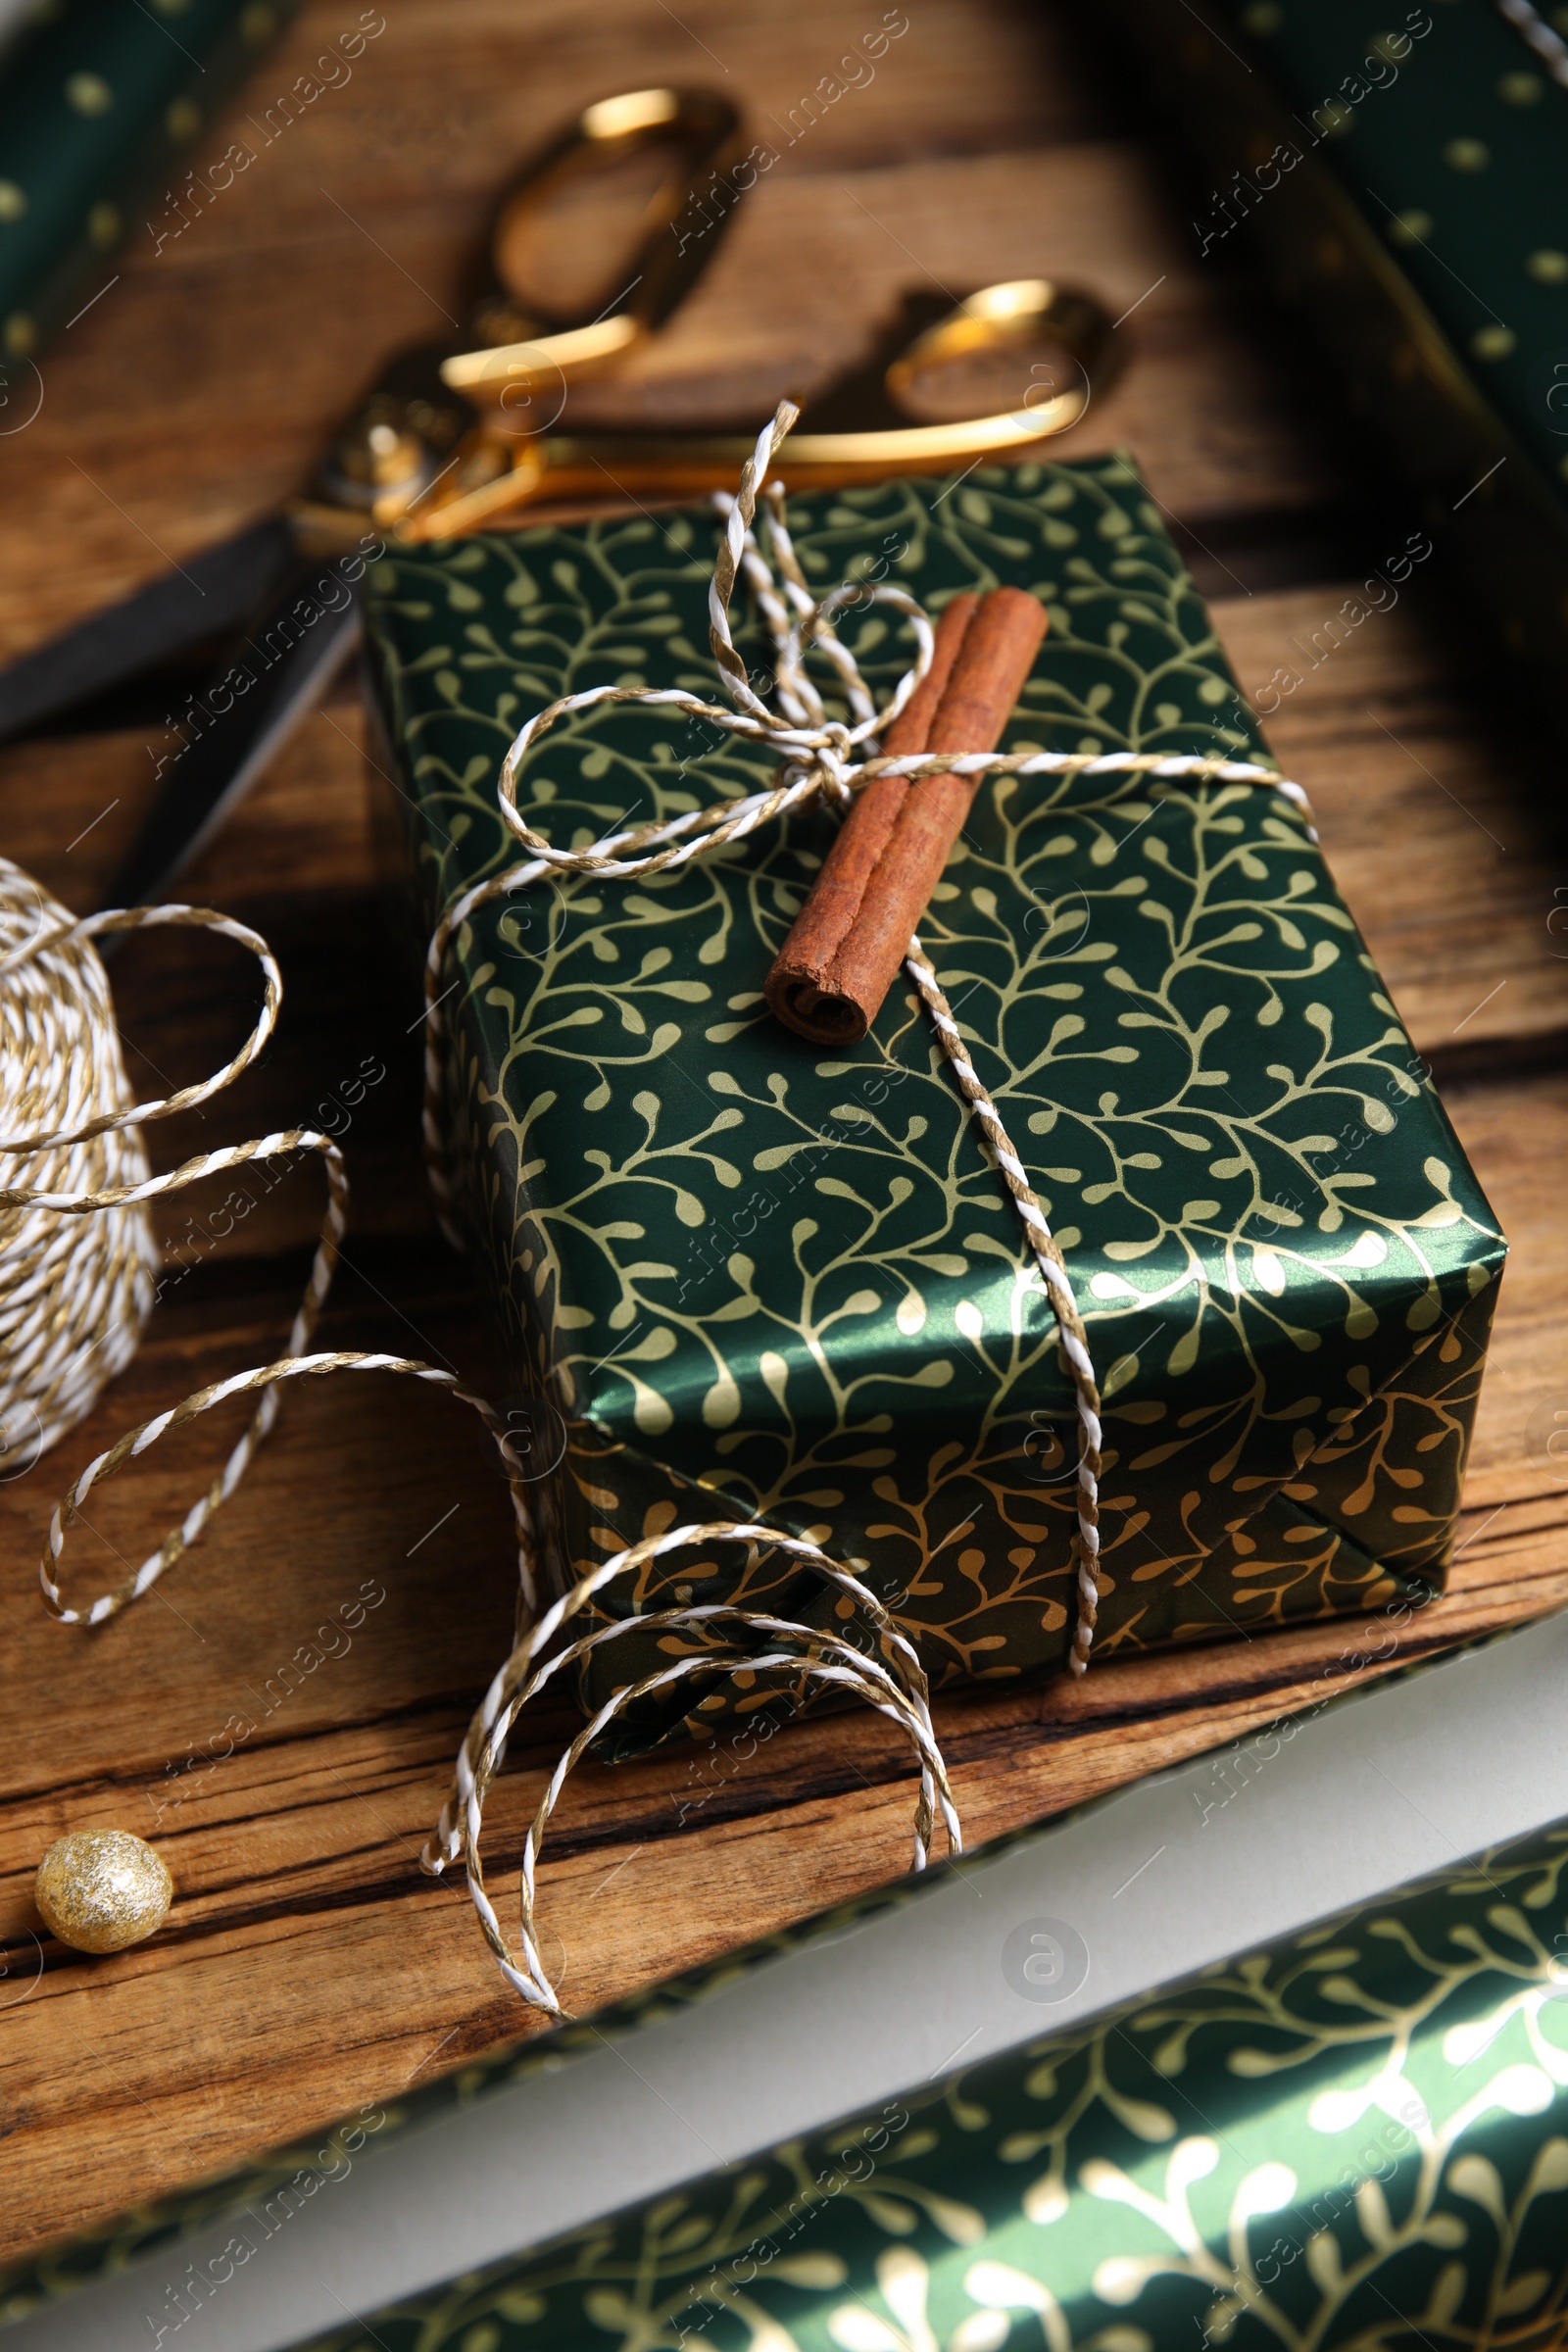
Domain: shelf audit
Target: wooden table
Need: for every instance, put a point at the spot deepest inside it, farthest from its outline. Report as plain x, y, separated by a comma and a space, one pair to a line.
308, 1965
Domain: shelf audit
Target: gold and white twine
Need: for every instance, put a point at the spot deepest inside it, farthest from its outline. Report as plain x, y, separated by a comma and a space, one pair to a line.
71, 1305
75, 1300
1532, 27
71, 1314
78, 1259
895, 1687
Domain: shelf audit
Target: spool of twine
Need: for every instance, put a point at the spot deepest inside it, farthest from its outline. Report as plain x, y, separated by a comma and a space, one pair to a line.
74, 1302
78, 1267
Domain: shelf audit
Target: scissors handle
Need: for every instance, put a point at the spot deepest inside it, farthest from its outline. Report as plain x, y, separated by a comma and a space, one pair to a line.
431, 401
861, 430
525, 345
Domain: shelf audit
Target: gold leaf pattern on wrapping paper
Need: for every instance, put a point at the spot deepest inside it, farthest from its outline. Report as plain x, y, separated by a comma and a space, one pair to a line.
1404, 2176
1270, 1227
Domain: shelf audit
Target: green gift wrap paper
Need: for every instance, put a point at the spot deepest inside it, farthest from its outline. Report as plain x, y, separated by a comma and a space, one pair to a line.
103, 109
1356, 2138
743, 1279
1403, 181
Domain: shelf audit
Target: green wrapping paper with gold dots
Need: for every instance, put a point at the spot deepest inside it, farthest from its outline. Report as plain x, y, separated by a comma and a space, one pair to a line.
738, 1279
1399, 183
1450, 131
104, 108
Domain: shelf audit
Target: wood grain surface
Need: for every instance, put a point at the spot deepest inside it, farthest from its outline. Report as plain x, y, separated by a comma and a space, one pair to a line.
308, 1965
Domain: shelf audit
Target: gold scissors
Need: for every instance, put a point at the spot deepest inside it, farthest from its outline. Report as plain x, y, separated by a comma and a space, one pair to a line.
495, 449
453, 440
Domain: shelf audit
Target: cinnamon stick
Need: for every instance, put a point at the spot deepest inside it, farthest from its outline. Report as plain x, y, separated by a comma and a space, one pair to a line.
849, 939
801, 969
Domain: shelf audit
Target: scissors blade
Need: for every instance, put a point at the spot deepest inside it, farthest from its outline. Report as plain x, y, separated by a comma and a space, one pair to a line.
249, 711
211, 596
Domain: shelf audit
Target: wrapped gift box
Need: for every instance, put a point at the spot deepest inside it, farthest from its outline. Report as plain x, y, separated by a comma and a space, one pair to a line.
739, 1278
1404, 185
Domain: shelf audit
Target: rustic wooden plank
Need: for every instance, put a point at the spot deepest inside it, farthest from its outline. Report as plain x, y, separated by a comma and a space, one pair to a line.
285, 2035
1430, 807
354, 1488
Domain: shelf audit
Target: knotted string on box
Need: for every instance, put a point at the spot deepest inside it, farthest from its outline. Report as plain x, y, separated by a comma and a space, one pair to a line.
819, 765
59, 1026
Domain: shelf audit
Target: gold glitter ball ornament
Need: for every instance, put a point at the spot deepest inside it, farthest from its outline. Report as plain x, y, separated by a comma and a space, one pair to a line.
102, 1890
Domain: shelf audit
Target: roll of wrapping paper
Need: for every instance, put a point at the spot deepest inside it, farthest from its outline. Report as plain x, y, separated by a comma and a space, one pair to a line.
1403, 186
1353, 2136
1345, 2129
103, 111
